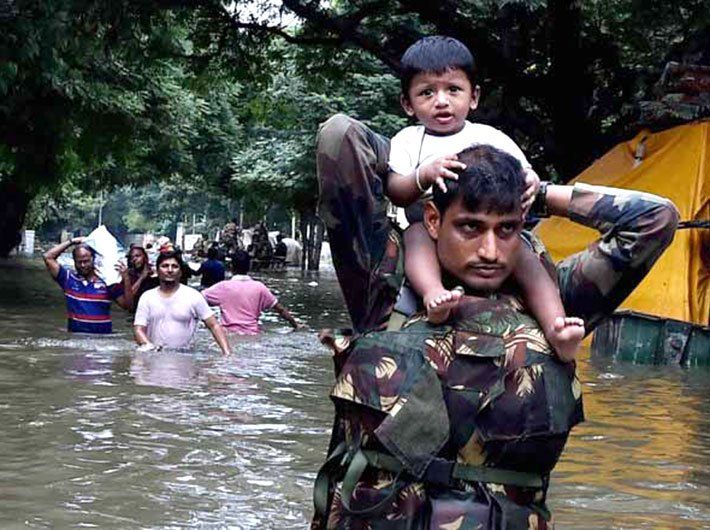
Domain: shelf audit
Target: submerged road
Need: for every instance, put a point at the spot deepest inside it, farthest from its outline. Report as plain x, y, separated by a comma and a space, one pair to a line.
95, 434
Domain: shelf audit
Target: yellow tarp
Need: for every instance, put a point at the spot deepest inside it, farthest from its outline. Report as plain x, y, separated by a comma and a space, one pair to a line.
676, 165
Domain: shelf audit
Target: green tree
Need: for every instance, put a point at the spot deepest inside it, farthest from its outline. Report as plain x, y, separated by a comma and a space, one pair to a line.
101, 94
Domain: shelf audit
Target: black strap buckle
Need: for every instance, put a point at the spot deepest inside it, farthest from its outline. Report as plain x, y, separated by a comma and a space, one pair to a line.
439, 472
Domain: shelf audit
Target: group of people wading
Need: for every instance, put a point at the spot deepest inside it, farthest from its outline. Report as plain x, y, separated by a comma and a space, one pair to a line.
455, 391
167, 310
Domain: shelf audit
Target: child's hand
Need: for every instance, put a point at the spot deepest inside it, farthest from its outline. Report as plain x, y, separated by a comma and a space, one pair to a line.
435, 172
532, 183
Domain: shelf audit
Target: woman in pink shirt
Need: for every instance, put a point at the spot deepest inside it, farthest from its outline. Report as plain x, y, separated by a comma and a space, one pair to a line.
242, 299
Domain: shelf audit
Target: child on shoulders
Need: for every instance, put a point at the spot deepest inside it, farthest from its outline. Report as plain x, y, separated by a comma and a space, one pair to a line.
439, 90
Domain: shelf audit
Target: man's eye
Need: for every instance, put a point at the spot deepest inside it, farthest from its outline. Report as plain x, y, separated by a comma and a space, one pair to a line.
470, 228
507, 230
455, 89
426, 92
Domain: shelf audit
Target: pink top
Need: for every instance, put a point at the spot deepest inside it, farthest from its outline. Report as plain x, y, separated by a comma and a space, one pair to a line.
241, 301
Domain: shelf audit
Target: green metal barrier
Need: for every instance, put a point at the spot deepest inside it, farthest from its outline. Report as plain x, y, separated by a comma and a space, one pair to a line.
647, 339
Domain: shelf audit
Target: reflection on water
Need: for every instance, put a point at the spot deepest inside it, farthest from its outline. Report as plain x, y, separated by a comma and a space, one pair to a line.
97, 434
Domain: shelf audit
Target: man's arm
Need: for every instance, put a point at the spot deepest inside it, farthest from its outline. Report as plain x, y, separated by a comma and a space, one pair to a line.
50, 257
141, 335
219, 335
286, 315
635, 230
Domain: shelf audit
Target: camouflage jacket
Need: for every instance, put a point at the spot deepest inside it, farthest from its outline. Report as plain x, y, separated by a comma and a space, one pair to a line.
484, 392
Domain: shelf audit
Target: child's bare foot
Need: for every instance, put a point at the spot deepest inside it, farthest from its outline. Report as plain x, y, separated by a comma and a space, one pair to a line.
439, 305
566, 336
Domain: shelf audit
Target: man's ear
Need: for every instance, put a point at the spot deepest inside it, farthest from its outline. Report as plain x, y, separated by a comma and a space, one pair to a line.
406, 105
475, 97
432, 219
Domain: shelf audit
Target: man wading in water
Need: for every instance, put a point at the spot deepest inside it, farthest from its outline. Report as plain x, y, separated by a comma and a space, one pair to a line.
167, 316
87, 296
458, 425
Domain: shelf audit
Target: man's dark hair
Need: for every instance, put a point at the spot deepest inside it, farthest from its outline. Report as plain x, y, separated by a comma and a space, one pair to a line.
436, 54
83, 246
493, 181
170, 254
212, 253
241, 261
136, 247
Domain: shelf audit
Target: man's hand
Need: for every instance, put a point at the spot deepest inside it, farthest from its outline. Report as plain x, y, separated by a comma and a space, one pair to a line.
532, 184
435, 172
149, 346
77, 240
121, 269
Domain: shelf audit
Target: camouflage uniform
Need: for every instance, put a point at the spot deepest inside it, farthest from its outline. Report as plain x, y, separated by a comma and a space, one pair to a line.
458, 425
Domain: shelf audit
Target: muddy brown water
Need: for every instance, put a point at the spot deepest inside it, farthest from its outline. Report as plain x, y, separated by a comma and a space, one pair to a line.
95, 434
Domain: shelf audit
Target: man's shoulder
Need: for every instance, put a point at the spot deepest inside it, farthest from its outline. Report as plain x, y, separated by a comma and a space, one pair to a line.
187, 291
150, 295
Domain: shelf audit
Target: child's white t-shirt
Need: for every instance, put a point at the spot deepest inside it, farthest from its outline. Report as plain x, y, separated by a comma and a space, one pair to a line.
412, 147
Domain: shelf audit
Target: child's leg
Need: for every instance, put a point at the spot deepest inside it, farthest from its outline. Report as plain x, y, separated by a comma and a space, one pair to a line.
543, 298
421, 266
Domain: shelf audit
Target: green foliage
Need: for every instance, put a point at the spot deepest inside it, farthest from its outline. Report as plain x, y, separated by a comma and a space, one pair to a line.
277, 164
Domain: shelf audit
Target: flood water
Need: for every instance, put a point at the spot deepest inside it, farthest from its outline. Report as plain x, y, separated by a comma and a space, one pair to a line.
94, 434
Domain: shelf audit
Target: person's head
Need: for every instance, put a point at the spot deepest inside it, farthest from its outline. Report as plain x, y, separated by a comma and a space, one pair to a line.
476, 223
438, 77
212, 253
241, 261
137, 257
279, 238
83, 260
169, 265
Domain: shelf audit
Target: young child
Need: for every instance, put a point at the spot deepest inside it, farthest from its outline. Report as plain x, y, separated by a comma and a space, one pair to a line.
439, 90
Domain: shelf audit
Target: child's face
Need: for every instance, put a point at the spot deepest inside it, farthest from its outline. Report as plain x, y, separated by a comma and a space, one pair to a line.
441, 102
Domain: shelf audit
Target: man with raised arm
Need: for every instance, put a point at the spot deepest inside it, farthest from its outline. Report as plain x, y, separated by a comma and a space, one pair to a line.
87, 296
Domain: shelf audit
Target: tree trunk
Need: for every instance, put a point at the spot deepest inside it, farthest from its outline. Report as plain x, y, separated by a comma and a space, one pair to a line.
312, 232
316, 243
13, 208
303, 224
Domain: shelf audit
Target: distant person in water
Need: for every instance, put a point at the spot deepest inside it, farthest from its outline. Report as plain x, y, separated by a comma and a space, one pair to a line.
212, 270
87, 296
243, 299
142, 276
167, 316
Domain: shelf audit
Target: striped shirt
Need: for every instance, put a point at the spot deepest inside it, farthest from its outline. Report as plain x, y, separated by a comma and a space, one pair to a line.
88, 302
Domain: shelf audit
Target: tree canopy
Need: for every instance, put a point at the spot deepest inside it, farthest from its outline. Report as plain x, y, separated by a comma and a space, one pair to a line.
227, 96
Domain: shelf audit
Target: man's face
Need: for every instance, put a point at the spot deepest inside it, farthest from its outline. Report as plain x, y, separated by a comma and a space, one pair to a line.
169, 271
83, 262
441, 102
480, 249
137, 259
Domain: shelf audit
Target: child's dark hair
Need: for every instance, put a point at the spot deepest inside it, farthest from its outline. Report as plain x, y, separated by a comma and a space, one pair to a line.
493, 181
436, 54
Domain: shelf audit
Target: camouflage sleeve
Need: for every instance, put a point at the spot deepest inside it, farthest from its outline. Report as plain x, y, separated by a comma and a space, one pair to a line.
635, 229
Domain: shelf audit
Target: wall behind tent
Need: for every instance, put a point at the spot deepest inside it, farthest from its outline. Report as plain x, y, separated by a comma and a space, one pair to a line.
676, 165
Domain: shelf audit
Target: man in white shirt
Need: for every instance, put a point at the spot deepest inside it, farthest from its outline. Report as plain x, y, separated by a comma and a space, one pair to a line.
167, 316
